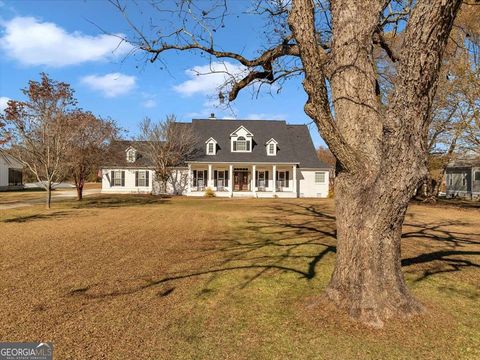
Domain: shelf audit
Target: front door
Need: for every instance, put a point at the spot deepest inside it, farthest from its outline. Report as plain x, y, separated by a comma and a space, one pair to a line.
240, 181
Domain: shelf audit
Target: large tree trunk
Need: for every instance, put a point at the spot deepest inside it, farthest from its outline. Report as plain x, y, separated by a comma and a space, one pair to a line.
368, 279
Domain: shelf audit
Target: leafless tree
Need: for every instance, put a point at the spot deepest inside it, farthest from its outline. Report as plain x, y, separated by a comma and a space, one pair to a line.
39, 131
90, 137
379, 139
168, 144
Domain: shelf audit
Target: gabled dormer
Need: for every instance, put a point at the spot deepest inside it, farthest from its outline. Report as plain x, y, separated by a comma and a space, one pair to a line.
271, 147
211, 146
131, 154
241, 140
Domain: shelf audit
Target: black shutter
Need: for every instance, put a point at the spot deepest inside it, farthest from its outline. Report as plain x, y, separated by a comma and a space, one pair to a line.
215, 178
205, 178
286, 179
266, 178
256, 178
234, 146
123, 178
147, 175
136, 178
226, 177
248, 145
194, 177
111, 178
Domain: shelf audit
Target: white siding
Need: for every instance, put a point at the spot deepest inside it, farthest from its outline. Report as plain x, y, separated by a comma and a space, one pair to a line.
5, 164
179, 187
308, 187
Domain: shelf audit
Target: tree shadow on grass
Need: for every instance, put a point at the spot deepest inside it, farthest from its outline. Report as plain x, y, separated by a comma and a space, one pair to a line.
28, 218
115, 201
294, 238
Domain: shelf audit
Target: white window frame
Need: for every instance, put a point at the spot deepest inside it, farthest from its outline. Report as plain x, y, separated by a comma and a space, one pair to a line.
243, 140
271, 147
211, 148
131, 155
142, 180
281, 183
320, 173
117, 176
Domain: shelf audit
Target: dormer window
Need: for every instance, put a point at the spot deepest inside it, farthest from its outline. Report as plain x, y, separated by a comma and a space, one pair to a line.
211, 146
271, 147
131, 155
241, 140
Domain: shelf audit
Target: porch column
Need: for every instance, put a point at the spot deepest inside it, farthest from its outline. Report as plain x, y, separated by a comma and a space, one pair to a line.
295, 180
189, 179
230, 179
274, 178
209, 179
254, 168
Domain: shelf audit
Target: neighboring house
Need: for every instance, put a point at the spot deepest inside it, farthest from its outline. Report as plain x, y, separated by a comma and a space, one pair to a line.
235, 158
10, 173
463, 179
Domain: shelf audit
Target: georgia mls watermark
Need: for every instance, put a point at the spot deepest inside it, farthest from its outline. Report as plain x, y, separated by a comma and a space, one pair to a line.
26, 351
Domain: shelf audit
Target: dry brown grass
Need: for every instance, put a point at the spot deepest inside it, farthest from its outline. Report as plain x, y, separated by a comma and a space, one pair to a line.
130, 277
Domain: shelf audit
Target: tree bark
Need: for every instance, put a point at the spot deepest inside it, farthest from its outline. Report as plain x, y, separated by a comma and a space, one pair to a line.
367, 279
49, 195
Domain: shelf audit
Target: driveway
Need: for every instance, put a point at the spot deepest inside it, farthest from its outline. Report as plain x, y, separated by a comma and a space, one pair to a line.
14, 200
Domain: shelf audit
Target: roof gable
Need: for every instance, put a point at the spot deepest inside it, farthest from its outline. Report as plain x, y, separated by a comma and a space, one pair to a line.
241, 131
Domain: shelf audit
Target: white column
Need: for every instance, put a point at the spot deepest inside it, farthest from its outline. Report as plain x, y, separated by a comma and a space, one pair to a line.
254, 168
209, 181
230, 179
295, 180
189, 179
274, 178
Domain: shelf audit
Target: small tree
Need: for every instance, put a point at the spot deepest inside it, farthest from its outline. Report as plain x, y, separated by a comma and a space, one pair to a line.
168, 144
89, 144
39, 130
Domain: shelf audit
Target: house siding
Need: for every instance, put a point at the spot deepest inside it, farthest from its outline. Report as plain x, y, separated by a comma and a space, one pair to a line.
4, 166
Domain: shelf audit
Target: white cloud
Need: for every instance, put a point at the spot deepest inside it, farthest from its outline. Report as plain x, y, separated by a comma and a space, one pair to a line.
3, 103
207, 79
150, 103
110, 85
32, 42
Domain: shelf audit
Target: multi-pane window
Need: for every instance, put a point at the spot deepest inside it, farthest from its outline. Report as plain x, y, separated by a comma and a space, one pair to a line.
241, 144
477, 176
142, 178
271, 149
211, 148
320, 177
117, 178
261, 179
131, 156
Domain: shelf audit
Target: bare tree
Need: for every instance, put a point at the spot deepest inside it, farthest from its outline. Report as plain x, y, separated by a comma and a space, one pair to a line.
168, 144
454, 130
379, 140
90, 137
39, 130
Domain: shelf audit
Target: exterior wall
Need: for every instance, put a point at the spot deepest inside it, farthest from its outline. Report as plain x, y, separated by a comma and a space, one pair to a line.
129, 187
177, 187
307, 186
5, 164
460, 182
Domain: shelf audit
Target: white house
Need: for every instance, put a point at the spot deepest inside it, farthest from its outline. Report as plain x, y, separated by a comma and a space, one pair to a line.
235, 158
10, 173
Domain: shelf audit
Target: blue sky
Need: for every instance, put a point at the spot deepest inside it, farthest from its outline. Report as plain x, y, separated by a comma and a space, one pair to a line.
61, 38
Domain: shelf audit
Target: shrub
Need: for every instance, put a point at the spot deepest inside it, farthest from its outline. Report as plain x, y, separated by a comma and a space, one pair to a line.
209, 192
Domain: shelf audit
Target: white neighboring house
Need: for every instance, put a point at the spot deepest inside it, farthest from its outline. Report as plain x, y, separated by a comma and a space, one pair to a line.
235, 158
10, 173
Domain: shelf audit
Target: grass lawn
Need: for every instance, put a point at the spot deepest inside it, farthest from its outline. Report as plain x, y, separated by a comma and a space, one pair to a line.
137, 277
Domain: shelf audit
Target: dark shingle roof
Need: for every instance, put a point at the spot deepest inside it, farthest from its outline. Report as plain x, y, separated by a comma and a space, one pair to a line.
294, 143
117, 157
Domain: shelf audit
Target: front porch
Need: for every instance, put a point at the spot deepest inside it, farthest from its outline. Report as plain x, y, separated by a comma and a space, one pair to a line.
243, 180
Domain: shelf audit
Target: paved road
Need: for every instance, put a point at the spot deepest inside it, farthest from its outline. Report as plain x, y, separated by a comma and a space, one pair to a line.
58, 194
